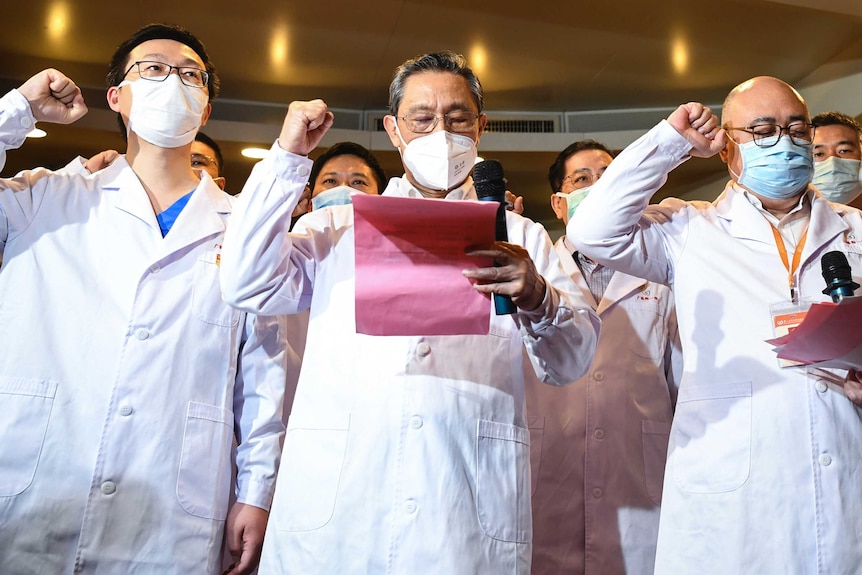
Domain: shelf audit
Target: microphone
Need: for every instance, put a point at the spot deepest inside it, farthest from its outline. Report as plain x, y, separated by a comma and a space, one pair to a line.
836, 272
491, 187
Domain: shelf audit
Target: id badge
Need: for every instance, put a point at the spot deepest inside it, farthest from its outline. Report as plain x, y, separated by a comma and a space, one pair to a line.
785, 317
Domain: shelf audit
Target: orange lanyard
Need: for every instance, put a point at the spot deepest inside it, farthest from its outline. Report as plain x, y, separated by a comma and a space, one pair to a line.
790, 267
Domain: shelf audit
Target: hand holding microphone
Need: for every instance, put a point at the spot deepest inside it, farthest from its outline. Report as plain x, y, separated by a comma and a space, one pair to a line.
514, 280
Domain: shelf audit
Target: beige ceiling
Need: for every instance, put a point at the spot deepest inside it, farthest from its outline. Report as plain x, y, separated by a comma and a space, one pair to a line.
603, 69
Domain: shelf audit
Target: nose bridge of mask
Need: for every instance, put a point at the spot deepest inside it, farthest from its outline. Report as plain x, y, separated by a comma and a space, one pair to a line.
337, 196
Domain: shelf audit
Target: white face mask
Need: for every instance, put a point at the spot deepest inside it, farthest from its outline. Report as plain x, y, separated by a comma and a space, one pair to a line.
166, 114
838, 179
439, 161
337, 196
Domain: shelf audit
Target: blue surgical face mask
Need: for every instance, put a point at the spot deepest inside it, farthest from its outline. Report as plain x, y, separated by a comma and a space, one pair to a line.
337, 196
573, 200
779, 172
838, 179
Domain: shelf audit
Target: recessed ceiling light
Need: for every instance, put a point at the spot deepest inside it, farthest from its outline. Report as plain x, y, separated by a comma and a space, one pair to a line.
255, 153
37, 133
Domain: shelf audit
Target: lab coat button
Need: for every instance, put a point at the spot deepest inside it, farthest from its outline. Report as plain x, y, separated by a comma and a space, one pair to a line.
125, 410
598, 376
415, 422
825, 459
423, 349
303, 171
821, 386
597, 492
155, 268
25, 122
411, 507
142, 334
109, 487
599, 433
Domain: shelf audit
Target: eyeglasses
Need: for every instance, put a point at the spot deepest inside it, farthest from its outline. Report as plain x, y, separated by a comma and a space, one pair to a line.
159, 71
455, 121
767, 135
579, 180
201, 161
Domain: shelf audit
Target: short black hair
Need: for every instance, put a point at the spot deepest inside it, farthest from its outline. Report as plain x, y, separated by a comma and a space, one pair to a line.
349, 149
435, 62
204, 139
834, 118
120, 61
556, 172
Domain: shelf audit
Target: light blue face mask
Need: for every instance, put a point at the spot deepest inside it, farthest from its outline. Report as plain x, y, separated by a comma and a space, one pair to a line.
779, 172
337, 196
573, 200
838, 179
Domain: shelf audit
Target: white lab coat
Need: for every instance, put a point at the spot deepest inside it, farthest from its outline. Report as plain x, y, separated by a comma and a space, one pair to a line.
122, 377
403, 454
598, 446
764, 463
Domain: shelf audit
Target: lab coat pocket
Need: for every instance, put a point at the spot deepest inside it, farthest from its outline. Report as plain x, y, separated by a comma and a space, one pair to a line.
311, 465
204, 478
536, 425
647, 323
26, 409
207, 302
711, 447
655, 435
502, 488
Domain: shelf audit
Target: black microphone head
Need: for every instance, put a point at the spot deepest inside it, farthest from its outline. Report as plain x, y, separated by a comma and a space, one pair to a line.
835, 267
488, 179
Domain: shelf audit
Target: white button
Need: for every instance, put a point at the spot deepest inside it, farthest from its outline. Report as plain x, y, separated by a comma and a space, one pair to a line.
825, 459
598, 376
109, 487
597, 492
411, 506
25, 122
303, 170
142, 333
415, 422
599, 433
423, 349
126, 410
821, 386
155, 269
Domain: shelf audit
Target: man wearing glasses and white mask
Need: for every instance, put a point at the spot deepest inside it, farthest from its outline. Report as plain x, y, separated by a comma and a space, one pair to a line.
764, 457
136, 404
405, 454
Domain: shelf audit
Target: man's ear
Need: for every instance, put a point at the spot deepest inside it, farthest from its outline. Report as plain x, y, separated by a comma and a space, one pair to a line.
206, 115
389, 125
559, 206
113, 97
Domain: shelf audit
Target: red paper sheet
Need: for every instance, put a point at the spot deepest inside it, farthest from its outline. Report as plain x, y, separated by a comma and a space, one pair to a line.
409, 257
830, 336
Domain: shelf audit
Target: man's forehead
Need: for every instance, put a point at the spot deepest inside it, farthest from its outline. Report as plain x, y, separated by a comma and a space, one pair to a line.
162, 49
764, 100
428, 90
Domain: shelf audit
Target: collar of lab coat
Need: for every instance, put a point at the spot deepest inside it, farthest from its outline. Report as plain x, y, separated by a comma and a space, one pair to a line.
620, 286
402, 187
746, 222
203, 216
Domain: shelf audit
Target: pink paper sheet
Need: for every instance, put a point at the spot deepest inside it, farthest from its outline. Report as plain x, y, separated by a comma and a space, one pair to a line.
409, 257
829, 336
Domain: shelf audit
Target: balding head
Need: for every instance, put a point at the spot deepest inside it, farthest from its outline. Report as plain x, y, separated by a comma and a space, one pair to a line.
762, 96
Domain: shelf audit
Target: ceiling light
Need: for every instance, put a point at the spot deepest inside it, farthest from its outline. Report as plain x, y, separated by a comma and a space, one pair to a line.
58, 20
255, 153
37, 133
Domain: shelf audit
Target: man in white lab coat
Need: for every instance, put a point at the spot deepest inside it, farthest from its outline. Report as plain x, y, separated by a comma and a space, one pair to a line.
123, 374
599, 445
403, 454
764, 460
